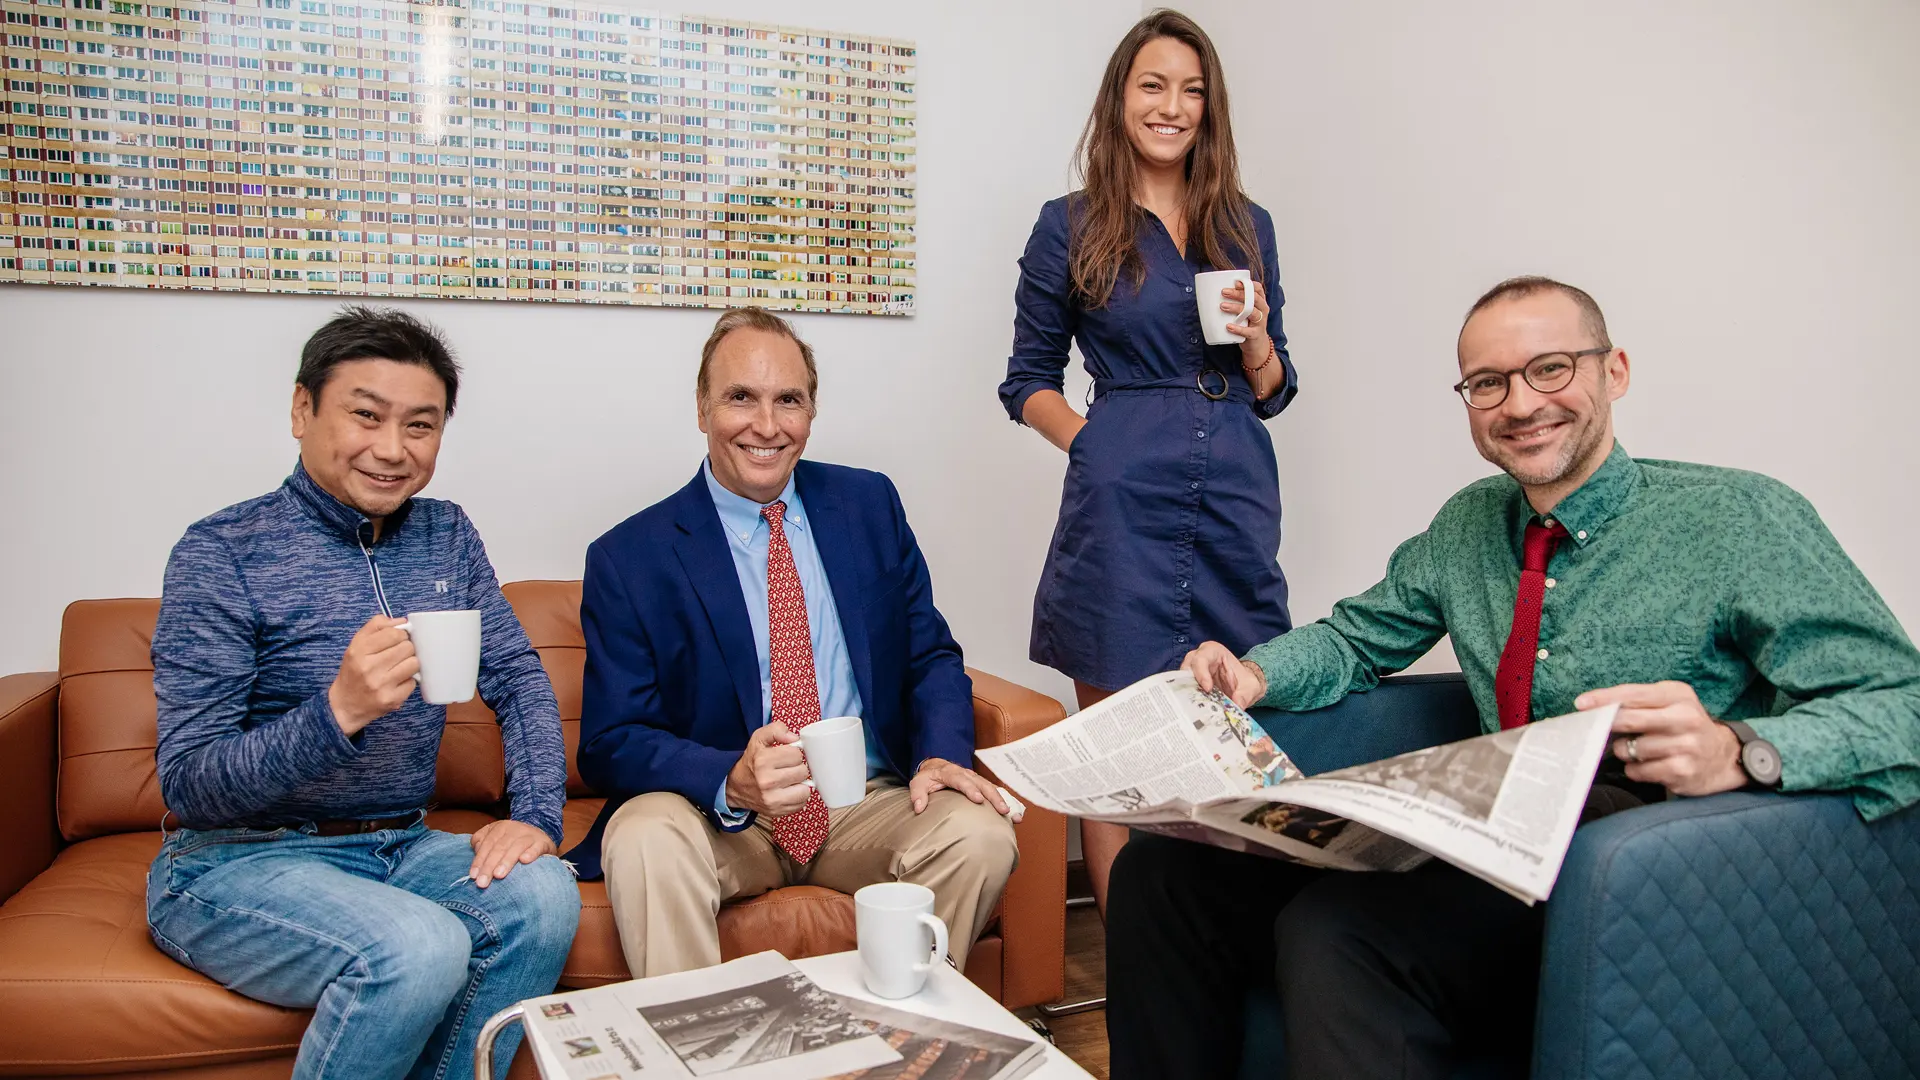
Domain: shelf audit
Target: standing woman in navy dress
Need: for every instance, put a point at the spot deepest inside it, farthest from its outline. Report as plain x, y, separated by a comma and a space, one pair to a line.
1169, 529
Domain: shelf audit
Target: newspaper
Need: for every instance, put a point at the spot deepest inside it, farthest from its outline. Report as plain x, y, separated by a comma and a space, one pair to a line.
755, 1018
1164, 757
940, 1049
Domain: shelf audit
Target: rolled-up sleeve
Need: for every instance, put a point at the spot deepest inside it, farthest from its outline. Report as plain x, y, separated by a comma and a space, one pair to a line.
1276, 299
1045, 316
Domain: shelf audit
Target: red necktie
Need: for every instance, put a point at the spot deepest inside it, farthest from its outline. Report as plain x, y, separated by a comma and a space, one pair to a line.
796, 690
1513, 685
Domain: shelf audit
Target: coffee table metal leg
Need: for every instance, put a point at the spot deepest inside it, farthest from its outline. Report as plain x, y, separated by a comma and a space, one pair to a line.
1072, 1007
490, 1034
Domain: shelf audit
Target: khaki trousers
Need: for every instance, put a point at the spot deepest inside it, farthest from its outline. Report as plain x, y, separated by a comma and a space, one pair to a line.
669, 869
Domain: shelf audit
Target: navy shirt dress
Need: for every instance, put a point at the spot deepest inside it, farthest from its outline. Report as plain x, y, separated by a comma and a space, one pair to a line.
1169, 529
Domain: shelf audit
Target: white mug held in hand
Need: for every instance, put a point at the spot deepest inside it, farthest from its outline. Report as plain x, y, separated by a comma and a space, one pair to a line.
447, 644
893, 921
836, 750
1207, 288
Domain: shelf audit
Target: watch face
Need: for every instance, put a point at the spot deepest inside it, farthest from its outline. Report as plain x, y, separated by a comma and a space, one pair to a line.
1761, 761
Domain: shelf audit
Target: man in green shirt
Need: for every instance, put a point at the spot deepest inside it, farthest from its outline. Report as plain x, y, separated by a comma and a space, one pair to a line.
1742, 644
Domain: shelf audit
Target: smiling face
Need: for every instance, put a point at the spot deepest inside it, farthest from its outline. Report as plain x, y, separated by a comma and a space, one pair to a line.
1550, 443
757, 414
1166, 100
371, 436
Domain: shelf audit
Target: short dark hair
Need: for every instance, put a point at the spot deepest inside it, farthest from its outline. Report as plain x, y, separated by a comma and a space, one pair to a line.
753, 318
1515, 288
359, 332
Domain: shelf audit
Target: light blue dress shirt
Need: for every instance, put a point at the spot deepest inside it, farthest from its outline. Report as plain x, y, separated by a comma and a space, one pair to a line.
747, 535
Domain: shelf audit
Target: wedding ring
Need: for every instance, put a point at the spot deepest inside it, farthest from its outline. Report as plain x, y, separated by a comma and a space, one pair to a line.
1633, 749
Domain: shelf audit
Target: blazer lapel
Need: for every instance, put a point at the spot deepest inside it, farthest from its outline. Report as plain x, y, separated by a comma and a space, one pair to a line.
702, 550
834, 541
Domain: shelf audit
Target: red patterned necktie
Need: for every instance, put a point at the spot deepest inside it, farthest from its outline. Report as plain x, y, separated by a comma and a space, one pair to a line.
796, 690
1513, 685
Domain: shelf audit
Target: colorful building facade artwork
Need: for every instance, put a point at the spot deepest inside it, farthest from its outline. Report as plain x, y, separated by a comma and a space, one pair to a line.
584, 152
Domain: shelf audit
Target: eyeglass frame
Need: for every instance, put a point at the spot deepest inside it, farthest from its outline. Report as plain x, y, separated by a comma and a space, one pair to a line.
1460, 388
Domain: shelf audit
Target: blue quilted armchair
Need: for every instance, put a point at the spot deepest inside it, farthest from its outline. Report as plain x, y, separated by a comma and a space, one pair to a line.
1741, 935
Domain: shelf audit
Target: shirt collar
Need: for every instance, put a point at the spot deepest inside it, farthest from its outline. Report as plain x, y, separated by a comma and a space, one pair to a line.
335, 515
740, 515
1598, 501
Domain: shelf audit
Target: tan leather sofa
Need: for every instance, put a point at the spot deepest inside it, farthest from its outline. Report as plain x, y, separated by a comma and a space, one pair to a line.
83, 991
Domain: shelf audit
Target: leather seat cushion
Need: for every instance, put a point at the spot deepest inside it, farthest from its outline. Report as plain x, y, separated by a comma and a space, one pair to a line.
797, 921
83, 989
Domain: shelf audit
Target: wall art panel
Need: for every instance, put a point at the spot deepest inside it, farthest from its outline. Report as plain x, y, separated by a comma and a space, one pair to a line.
584, 152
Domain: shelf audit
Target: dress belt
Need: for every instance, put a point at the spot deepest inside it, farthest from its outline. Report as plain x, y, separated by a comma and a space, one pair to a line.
354, 826
1210, 383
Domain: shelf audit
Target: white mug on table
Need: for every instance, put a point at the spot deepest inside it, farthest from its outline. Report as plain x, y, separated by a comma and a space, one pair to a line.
1207, 288
447, 644
893, 922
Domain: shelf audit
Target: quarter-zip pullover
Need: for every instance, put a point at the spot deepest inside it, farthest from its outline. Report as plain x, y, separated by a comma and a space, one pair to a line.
259, 604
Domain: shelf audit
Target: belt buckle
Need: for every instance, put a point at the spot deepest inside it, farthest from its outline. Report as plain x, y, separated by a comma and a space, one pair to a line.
1200, 384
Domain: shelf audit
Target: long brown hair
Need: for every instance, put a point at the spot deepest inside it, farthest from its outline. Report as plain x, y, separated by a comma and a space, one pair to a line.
1104, 220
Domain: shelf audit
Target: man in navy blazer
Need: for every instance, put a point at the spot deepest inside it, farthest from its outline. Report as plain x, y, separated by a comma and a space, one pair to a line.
767, 593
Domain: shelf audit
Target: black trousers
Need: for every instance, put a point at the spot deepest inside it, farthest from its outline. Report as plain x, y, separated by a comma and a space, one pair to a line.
1379, 975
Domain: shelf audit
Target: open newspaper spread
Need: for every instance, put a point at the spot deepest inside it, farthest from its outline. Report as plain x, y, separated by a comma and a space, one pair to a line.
755, 1018
1164, 757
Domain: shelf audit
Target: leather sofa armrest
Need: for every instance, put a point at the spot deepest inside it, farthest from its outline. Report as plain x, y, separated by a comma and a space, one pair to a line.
1005, 711
1402, 714
1033, 915
28, 726
1741, 934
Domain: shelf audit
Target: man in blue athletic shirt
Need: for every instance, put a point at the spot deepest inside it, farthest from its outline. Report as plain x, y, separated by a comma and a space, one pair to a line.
298, 757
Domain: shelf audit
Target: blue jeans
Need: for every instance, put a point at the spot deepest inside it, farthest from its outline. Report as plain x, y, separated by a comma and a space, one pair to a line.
400, 958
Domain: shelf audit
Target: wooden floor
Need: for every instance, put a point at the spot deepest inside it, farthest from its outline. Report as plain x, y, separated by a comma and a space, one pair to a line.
1083, 1037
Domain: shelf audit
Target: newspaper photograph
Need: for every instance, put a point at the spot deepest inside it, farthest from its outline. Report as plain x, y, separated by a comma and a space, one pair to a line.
755, 1018
1163, 757
932, 1049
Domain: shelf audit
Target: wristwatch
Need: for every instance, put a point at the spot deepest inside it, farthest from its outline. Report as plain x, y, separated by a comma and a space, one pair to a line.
1760, 758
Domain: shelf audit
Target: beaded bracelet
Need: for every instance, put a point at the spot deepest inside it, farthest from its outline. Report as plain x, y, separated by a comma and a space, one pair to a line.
1271, 352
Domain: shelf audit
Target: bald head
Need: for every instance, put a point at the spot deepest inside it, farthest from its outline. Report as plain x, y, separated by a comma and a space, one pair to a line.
1520, 288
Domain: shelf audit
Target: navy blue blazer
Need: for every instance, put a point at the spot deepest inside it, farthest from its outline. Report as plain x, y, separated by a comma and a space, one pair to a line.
672, 685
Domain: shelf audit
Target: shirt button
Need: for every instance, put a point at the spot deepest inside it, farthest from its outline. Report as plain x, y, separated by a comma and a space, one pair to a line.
1189, 288
1542, 654
1582, 534
1551, 583
1183, 583
1199, 434
1193, 485
1179, 639
1548, 522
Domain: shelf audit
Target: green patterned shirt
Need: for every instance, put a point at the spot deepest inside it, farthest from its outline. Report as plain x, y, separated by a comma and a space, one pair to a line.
1724, 579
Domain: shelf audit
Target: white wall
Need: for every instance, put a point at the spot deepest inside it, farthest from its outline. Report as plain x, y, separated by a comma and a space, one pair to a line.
1734, 182
124, 415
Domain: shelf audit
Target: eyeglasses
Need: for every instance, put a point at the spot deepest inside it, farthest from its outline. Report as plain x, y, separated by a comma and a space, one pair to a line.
1546, 373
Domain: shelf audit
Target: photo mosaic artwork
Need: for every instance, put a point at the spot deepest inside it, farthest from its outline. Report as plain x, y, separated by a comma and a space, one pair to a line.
475, 149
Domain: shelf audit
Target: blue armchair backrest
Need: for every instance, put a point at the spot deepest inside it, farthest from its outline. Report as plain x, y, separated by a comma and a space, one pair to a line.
1402, 714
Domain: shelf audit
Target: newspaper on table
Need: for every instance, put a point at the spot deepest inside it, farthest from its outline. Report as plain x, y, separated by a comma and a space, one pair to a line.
1162, 756
942, 1049
755, 1018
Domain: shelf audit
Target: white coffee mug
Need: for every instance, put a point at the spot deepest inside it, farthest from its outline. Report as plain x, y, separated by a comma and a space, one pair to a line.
447, 644
836, 750
893, 921
1207, 288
